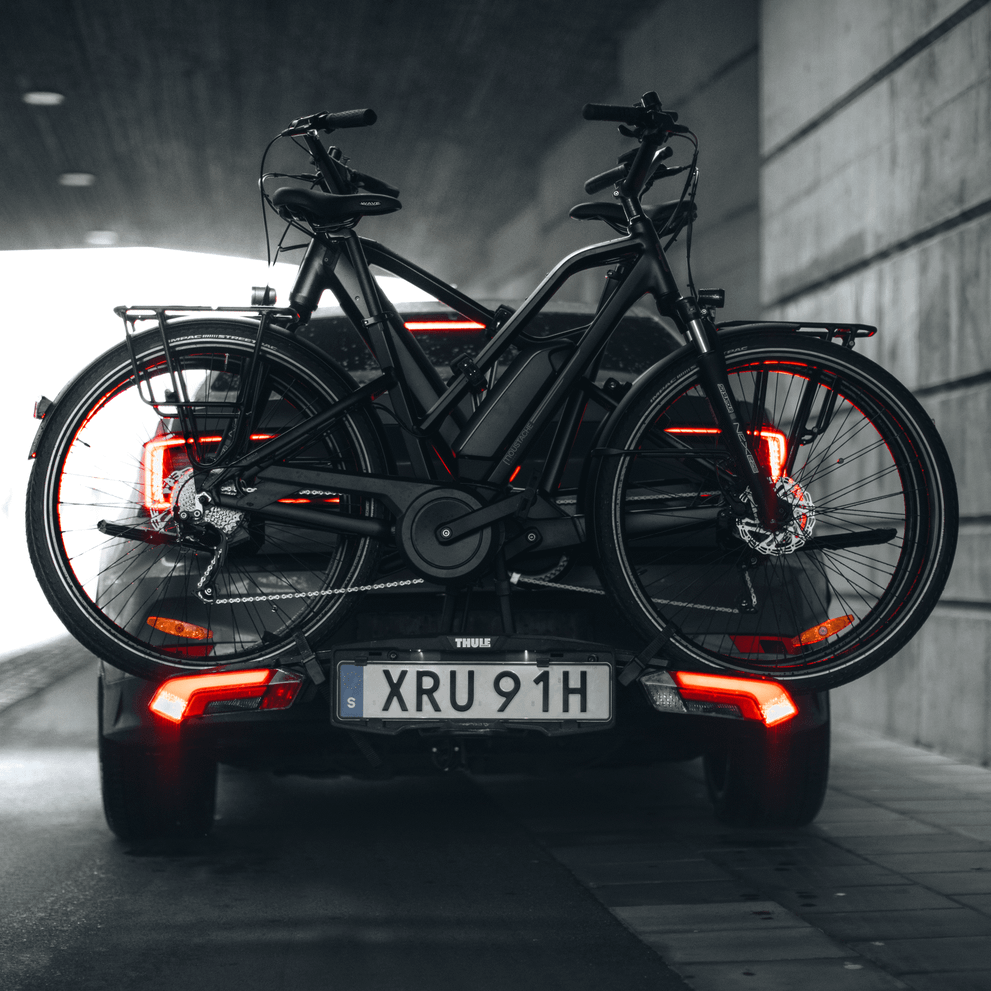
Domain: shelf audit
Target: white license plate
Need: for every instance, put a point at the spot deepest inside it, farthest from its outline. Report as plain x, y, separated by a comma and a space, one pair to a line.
475, 691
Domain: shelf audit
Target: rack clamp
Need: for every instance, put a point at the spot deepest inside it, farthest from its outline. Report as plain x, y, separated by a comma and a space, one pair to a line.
464, 365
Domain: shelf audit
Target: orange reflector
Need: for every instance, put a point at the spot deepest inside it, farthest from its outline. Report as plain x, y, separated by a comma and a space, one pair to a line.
180, 698
823, 630
761, 643
179, 629
444, 325
773, 447
764, 700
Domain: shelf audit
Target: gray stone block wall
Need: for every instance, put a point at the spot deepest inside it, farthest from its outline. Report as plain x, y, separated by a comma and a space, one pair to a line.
701, 57
876, 207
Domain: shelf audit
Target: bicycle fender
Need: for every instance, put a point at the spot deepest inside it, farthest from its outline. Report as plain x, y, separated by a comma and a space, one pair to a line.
644, 381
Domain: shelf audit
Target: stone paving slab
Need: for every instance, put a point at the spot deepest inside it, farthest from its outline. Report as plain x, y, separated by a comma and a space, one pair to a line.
720, 916
601, 875
746, 945
975, 980
956, 882
938, 861
905, 924
944, 953
935, 844
869, 898
902, 826
850, 973
812, 877
675, 893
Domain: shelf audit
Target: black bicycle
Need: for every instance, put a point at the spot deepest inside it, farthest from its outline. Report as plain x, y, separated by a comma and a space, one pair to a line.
214, 492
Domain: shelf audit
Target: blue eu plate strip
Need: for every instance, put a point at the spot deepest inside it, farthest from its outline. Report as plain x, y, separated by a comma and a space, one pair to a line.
352, 682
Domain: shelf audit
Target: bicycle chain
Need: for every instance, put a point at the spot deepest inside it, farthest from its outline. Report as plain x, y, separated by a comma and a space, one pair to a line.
273, 596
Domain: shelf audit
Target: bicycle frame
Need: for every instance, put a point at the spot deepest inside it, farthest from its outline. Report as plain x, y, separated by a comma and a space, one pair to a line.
429, 412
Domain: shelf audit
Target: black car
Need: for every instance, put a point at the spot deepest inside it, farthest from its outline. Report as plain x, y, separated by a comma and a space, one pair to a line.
424, 679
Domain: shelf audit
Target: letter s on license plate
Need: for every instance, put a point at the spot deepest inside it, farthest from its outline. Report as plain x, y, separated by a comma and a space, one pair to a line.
474, 691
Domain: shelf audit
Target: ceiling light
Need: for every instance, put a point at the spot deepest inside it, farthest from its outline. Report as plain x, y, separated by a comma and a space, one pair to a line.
102, 239
76, 179
43, 98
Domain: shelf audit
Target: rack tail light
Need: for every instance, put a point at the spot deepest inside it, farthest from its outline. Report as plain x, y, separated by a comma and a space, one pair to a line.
232, 691
719, 695
163, 455
772, 452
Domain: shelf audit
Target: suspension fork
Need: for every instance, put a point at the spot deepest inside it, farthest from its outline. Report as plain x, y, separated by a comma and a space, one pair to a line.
715, 384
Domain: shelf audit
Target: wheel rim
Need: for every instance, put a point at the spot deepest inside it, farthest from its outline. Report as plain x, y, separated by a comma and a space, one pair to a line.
862, 510
143, 595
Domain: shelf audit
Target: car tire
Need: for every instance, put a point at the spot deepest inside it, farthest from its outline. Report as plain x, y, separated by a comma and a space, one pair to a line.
772, 777
168, 791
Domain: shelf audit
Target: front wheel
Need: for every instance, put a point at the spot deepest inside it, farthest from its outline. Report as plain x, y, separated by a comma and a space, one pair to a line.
867, 516
109, 484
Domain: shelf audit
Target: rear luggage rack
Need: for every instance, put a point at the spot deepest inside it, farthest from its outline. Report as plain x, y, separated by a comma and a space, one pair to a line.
226, 417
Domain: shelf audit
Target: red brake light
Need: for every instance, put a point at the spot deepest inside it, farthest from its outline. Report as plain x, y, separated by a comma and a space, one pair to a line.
444, 325
190, 695
772, 451
764, 700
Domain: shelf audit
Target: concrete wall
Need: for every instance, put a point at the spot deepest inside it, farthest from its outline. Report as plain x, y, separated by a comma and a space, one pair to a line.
701, 58
876, 207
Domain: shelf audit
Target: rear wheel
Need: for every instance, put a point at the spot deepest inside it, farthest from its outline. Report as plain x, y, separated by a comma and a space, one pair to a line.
165, 791
868, 525
772, 777
108, 462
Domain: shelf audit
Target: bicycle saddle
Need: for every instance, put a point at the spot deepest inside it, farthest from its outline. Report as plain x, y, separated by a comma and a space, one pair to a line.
329, 208
612, 213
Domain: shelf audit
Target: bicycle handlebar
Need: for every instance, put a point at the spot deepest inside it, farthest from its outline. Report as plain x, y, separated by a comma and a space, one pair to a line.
328, 121
621, 115
604, 179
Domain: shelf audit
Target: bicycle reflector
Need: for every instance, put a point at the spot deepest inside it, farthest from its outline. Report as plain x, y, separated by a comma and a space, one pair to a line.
772, 452
232, 691
719, 695
766, 644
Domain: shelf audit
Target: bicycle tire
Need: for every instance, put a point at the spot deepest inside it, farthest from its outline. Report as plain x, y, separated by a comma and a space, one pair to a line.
866, 484
133, 603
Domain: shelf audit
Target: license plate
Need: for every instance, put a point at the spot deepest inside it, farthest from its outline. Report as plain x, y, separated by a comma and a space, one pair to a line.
482, 691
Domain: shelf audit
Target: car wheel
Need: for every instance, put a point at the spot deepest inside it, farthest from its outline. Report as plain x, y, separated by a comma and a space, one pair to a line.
152, 792
773, 777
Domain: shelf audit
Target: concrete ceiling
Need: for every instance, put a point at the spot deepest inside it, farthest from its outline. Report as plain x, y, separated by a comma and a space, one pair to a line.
169, 104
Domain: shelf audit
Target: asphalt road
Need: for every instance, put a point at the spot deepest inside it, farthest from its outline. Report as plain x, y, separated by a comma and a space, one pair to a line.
305, 883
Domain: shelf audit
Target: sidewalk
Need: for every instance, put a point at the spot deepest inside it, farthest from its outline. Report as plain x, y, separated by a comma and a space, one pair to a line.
22, 673
889, 888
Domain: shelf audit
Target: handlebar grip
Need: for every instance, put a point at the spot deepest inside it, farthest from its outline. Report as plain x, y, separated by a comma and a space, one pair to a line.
348, 118
604, 111
604, 179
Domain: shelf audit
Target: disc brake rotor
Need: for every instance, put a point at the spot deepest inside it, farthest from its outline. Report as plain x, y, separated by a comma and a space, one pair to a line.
793, 534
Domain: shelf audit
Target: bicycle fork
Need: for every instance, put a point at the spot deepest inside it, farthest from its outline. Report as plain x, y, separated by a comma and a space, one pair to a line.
715, 384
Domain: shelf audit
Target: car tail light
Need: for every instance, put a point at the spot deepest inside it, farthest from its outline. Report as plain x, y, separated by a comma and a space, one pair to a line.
231, 691
719, 695
766, 644
772, 452
444, 325
160, 457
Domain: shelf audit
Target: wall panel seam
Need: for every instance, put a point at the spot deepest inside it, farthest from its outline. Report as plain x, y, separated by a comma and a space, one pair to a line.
913, 240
